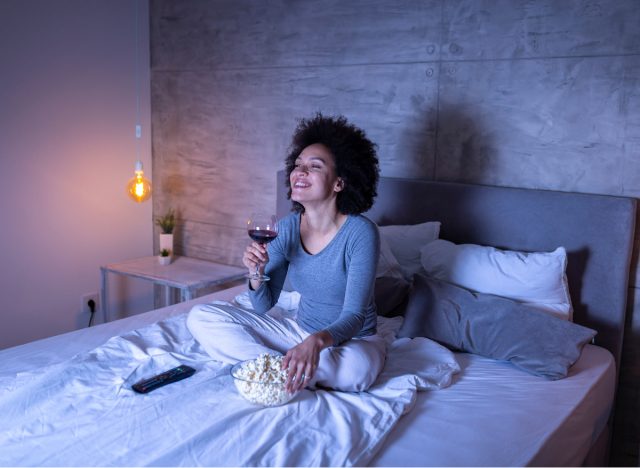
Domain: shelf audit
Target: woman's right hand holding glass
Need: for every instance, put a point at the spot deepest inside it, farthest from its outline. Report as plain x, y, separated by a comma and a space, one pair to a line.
255, 258
262, 229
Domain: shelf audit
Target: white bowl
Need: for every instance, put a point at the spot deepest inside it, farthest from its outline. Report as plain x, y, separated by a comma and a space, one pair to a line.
259, 392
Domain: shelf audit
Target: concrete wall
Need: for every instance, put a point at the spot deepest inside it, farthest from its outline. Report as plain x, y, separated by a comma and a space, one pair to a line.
67, 149
525, 93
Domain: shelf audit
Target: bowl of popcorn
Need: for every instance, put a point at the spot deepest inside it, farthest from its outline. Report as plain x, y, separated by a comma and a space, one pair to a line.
261, 380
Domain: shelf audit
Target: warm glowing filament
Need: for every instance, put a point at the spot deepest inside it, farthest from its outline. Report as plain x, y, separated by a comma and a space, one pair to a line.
139, 188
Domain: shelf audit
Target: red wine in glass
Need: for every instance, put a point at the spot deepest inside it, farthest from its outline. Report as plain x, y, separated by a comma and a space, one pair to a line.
262, 229
262, 236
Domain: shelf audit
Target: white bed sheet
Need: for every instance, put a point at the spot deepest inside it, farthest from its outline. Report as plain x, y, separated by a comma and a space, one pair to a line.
83, 412
489, 403
496, 415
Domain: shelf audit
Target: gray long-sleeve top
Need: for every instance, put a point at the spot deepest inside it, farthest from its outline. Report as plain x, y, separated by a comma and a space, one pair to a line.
335, 285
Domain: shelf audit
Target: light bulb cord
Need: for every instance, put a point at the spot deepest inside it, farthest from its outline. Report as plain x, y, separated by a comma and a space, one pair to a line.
138, 127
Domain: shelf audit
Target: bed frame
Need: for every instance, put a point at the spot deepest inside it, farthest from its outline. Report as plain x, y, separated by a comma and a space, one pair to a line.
596, 230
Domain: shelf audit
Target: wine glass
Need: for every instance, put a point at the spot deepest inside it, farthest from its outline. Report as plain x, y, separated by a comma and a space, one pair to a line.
263, 228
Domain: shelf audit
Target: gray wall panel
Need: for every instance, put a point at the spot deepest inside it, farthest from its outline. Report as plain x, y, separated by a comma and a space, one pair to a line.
525, 123
630, 108
225, 243
510, 29
250, 33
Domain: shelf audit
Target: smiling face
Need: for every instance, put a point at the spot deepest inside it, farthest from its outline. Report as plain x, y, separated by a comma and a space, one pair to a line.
313, 179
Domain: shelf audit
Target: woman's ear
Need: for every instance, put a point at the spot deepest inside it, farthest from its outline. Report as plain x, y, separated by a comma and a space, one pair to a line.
339, 186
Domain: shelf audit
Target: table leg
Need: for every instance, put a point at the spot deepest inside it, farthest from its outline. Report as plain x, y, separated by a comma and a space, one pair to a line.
167, 296
103, 294
186, 294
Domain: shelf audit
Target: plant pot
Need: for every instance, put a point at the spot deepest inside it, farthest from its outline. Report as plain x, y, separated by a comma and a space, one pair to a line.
166, 242
164, 260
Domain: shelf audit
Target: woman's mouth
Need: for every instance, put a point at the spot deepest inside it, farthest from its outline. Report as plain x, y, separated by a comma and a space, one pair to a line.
299, 184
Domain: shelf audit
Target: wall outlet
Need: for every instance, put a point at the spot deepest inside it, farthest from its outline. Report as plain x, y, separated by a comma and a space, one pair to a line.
84, 302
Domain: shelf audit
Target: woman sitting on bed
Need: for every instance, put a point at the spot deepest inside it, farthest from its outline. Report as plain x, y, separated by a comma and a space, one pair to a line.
329, 252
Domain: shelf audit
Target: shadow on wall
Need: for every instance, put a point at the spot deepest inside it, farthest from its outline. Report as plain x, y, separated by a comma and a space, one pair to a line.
465, 150
415, 147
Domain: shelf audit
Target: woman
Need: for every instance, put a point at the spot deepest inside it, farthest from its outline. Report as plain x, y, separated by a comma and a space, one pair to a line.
329, 253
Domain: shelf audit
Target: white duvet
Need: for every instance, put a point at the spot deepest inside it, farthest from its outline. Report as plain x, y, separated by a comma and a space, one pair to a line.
83, 411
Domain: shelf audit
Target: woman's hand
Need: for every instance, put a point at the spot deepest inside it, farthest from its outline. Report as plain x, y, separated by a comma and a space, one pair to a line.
255, 258
302, 360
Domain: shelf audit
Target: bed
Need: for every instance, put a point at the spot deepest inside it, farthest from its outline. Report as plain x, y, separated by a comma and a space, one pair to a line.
67, 399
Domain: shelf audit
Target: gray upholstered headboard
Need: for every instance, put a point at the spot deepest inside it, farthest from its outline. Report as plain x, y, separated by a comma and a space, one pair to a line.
596, 230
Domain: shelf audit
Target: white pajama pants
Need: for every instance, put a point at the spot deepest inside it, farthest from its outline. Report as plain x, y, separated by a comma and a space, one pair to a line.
230, 334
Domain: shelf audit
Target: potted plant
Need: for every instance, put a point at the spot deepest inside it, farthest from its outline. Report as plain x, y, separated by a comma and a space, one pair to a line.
167, 223
165, 257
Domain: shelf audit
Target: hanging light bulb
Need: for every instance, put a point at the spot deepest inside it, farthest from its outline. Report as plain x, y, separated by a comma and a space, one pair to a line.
139, 187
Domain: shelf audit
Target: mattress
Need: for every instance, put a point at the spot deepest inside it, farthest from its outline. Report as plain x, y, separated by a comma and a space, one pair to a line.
491, 414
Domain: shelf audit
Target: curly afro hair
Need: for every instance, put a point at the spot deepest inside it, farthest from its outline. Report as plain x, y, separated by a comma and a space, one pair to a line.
354, 156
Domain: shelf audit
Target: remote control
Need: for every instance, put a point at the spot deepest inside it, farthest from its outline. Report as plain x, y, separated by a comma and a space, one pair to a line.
160, 380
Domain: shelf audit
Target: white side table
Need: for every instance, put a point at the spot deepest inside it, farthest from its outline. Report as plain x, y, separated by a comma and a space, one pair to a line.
183, 273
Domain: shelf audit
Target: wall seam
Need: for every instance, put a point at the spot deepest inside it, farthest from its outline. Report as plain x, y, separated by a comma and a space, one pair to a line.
434, 174
410, 62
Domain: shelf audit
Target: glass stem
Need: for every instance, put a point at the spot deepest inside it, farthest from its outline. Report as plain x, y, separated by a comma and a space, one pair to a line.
258, 275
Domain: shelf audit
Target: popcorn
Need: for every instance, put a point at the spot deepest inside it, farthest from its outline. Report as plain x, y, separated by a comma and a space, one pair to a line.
261, 380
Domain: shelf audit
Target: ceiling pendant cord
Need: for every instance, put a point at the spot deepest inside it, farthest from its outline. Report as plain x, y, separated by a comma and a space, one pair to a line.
139, 187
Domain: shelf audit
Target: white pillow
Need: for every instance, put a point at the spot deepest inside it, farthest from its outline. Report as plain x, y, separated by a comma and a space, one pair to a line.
405, 242
537, 279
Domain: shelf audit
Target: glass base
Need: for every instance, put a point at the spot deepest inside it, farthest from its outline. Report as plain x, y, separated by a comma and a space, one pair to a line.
257, 277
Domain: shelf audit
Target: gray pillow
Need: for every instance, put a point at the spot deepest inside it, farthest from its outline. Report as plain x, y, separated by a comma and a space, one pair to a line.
493, 327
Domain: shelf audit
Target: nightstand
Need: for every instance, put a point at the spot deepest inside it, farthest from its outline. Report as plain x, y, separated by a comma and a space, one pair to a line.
184, 274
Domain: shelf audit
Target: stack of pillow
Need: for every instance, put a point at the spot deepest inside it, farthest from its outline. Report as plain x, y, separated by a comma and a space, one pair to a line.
506, 305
